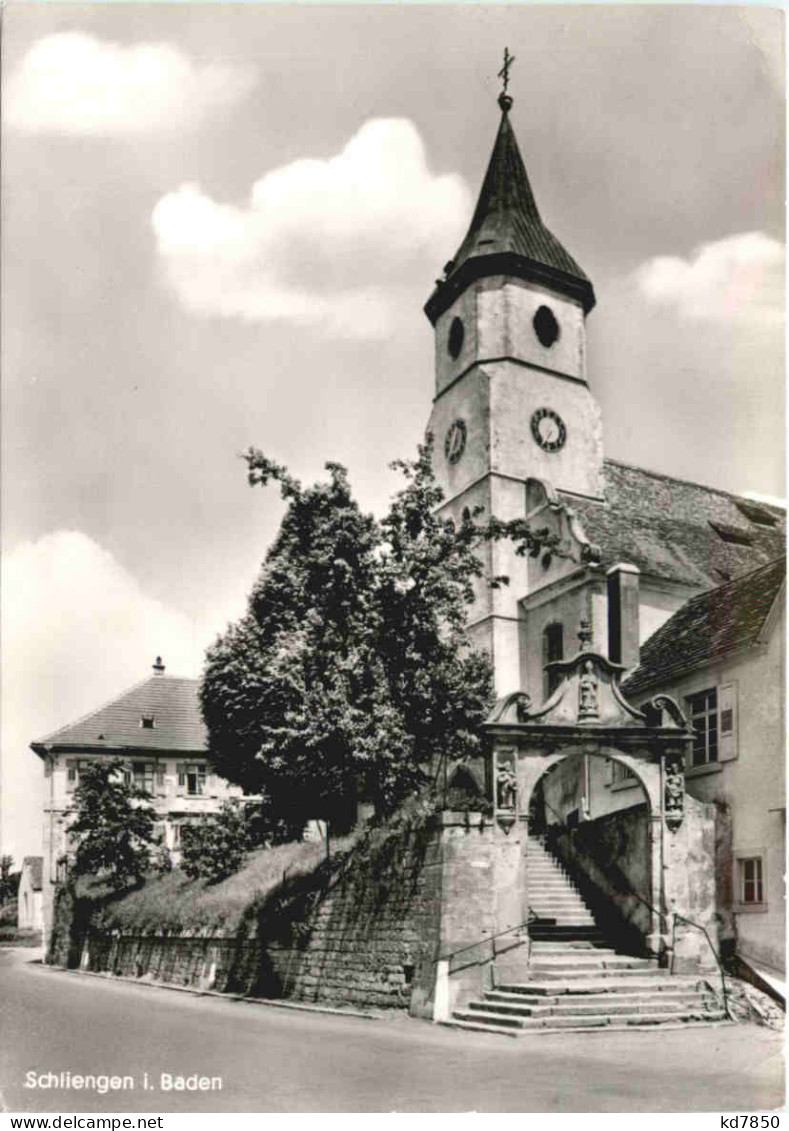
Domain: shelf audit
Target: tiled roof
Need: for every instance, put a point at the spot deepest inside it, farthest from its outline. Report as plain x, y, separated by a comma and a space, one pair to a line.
679, 531
173, 704
36, 866
709, 627
507, 235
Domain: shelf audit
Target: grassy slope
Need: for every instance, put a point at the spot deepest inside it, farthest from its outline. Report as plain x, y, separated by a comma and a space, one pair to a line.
173, 903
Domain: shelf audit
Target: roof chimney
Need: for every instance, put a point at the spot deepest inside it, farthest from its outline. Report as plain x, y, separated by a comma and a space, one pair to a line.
623, 603
158, 667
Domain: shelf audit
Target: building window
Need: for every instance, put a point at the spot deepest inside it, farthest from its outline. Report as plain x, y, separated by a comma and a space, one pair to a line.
140, 775
620, 772
148, 722
74, 769
751, 880
703, 714
552, 649
191, 778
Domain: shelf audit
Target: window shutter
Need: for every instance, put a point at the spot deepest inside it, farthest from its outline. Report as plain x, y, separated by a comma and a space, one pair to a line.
727, 722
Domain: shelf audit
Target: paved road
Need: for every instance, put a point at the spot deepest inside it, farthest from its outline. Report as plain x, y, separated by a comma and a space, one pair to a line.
277, 1060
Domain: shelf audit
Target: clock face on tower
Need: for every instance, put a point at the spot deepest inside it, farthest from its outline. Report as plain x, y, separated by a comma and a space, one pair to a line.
548, 429
455, 441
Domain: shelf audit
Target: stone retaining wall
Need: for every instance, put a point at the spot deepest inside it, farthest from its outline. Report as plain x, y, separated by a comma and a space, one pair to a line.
367, 937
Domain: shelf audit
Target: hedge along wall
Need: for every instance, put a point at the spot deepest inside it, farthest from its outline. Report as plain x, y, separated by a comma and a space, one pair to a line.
364, 936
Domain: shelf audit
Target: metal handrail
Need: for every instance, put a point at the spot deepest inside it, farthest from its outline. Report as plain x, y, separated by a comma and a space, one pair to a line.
663, 916
628, 889
532, 918
717, 957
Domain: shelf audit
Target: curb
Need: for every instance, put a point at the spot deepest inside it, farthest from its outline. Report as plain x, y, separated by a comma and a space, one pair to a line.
276, 1003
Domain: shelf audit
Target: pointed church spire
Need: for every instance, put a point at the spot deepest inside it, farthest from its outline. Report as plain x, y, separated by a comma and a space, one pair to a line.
507, 235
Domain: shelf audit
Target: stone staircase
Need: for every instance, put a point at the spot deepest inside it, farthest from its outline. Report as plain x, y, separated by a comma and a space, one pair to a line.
575, 980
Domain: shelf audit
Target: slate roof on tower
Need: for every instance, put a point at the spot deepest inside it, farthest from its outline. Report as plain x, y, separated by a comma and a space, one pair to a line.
678, 531
717, 624
172, 704
507, 235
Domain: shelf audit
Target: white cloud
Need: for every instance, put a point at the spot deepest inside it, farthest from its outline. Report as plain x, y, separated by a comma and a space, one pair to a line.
73, 83
737, 278
77, 630
319, 242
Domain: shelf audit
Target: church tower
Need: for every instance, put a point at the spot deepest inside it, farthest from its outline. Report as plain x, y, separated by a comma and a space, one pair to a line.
512, 403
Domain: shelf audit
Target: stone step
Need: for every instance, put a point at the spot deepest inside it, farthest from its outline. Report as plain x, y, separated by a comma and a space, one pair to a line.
570, 947
560, 906
606, 981
545, 931
609, 1004
576, 921
580, 973
563, 882
624, 994
591, 959
615, 1026
550, 883
545, 907
554, 893
584, 1021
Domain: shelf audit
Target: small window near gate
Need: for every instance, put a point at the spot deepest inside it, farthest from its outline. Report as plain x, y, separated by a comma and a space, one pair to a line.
552, 649
750, 881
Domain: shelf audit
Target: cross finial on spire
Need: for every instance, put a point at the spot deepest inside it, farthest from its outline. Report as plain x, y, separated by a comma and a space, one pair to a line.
505, 102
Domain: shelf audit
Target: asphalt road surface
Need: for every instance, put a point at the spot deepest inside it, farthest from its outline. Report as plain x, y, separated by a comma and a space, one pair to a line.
279, 1060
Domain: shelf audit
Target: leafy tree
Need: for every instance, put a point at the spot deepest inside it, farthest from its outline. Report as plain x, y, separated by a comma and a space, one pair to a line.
351, 664
8, 881
214, 846
113, 826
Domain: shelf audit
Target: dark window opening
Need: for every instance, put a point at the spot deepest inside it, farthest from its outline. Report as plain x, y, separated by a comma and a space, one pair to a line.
703, 712
455, 339
751, 888
148, 722
191, 777
140, 775
552, 650
545, 326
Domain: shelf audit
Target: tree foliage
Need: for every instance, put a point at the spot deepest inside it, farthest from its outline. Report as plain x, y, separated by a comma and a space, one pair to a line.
214, 846
9, 880
351, 664
113, 826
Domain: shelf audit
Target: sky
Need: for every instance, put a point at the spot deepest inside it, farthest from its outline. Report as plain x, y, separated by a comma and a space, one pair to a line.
220, 225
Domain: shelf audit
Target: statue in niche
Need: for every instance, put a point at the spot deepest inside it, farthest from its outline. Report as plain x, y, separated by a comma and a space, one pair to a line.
674, 793
506, 786
587, 693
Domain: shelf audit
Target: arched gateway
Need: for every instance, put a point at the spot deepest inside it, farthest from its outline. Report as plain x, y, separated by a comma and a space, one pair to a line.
486, 869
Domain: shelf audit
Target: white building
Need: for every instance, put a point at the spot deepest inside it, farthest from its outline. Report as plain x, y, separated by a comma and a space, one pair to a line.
30, 908
157, 729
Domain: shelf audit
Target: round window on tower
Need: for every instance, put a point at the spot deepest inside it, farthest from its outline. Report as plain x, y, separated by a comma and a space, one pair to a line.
545, 326
455, 339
